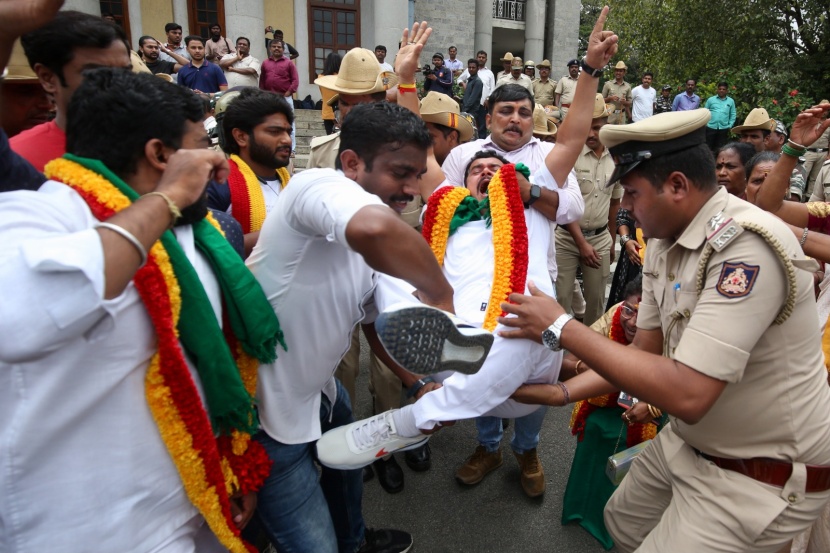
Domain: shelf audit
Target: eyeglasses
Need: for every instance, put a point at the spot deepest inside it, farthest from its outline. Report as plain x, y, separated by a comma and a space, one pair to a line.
627, 312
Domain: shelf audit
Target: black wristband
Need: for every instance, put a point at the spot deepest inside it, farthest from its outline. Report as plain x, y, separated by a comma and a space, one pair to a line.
418, 385
590, 70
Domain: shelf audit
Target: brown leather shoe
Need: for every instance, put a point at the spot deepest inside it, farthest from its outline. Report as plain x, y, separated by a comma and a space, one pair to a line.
480, 464
533, 476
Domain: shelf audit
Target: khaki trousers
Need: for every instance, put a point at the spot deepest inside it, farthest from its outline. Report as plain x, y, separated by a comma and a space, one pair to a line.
384, 386
812, 164
674, 500
593, 280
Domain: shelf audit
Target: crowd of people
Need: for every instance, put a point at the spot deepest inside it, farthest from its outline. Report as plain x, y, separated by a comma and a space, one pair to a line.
161, 386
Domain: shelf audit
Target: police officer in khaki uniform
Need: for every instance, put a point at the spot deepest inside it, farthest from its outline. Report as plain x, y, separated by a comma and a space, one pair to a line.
821, 188
543, 87
727, 344
361, 80
588, 243
565, 88
516, 76
618, 93
815, 156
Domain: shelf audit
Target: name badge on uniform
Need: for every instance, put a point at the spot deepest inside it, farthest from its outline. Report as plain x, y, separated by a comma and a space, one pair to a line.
737, 279
723, 232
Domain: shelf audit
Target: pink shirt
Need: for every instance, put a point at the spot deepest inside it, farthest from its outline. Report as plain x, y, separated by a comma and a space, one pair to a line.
279, 76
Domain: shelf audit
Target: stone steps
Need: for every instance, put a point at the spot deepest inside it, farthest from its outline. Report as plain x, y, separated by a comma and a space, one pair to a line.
308, 124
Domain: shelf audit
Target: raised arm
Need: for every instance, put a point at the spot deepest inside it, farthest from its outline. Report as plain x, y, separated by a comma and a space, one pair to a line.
407, 62
602, 45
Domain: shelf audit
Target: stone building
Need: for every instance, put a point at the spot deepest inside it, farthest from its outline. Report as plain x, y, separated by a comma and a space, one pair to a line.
532, 29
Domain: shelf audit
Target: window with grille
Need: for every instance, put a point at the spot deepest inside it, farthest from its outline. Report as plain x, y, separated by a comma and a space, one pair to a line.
204, 13
118, 9
333, 26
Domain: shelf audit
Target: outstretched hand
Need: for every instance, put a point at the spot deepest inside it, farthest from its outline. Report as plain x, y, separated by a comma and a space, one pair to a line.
809, 125
602, 45
18, 17
534, 314
409, 54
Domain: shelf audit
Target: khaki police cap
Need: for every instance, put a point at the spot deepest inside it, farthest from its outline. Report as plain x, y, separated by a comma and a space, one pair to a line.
659, 135
601, 109
440, 109
543, 63
18, 67
529, 63
758, 119
507, 57
542, 125
516, 63
360, 73
620, 65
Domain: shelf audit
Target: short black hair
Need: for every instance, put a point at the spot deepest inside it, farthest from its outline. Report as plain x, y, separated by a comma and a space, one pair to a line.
54, 44
745, 151
690, 79
332, 64
246, 39
172, 27
697, 163
634, 287
144, 39
481, 52
115, 112
380, 47
215, 24
446, 131
509, 93
370, 128
452, 48
723, 83
648, 74
190, 38
473, 60
278, 32
760, 157
482, 154
250, 109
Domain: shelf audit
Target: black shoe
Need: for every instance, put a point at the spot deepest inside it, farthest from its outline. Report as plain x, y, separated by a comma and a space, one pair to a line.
383, 540
390, 474
419, 459
368, 473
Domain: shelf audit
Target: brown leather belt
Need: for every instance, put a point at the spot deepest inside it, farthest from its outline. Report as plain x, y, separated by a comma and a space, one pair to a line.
565, 106
773, 472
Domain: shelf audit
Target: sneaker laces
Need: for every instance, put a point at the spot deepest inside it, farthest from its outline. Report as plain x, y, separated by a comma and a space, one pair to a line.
372, 432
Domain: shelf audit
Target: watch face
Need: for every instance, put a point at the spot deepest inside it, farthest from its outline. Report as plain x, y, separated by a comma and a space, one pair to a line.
549, 339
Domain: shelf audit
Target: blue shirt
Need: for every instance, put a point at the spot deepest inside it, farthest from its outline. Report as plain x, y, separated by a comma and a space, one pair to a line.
206, 78
723, 112
15, 172
684, 102
442, 83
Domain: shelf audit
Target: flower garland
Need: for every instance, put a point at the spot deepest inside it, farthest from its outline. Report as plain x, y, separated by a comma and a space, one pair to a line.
509, 235
582, 409
212, 469
246, 194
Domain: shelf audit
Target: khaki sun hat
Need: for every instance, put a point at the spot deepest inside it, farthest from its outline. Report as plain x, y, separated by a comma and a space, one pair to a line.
758, 119
517, 62
440, 109
164, 77
18, 67
529, 63
543, 63
138, 64
507, 57
601, 109
620, 65
542, 125
659, 135
360, 73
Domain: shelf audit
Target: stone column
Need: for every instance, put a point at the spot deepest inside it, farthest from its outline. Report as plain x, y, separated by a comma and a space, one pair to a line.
389, 23
535, 30
483, 38
92, 7
246, 18
136, 24
180, 16
563, 34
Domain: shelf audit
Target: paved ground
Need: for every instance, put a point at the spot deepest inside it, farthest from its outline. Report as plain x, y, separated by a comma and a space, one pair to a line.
495, 515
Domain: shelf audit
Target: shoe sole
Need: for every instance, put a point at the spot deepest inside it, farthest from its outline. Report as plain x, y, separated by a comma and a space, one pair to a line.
474, 482
425, 341
352, 465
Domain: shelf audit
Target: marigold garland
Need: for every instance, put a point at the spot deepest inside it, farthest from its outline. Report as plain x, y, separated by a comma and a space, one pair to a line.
637, 433
246, 194
211, 469
509, 235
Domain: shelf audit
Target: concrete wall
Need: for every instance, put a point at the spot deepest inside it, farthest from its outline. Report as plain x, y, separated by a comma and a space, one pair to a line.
453, 24
86, 6
561, 34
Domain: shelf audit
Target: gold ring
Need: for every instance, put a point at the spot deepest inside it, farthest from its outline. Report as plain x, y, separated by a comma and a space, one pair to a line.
411, 42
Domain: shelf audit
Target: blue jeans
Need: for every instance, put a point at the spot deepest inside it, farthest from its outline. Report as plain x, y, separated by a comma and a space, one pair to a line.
526, 431
300, 514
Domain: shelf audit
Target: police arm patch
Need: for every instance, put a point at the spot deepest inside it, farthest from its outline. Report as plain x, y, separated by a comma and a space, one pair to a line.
737, 279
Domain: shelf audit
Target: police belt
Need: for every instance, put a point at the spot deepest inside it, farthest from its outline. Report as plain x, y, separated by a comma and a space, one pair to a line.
773, 472
595, 232
817, 150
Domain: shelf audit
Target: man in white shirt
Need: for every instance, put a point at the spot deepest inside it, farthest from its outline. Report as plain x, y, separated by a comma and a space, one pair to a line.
174, 43
642, 99
90, 342
380, 54
318, 258
241, 68
452, 63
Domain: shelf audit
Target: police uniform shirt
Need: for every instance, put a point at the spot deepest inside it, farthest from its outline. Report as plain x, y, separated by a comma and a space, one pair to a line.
821, 189
592, 173
543, 92
775, 403
566, 88
611, 88
523, 80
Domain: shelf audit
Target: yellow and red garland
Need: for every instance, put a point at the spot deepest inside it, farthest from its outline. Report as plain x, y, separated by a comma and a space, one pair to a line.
246, 194
211, 468
636, 432
509, 235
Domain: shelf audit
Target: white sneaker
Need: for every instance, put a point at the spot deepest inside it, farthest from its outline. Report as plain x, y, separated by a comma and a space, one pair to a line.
426, 340
360, 443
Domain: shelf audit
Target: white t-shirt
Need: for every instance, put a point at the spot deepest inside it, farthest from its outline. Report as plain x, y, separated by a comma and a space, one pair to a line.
642, 102
320, 289
235, 79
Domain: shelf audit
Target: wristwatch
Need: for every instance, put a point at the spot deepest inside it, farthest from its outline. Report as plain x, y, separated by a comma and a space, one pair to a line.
535, 194
552, 335
590, 70
623, 239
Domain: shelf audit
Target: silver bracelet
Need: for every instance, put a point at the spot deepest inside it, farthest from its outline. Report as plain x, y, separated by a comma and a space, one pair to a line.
127, 235
804, 237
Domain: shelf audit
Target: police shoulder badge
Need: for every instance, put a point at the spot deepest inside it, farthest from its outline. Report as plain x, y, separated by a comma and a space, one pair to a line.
737, 279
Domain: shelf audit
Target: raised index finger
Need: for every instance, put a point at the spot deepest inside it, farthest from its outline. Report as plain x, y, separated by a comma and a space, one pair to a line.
600, 24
